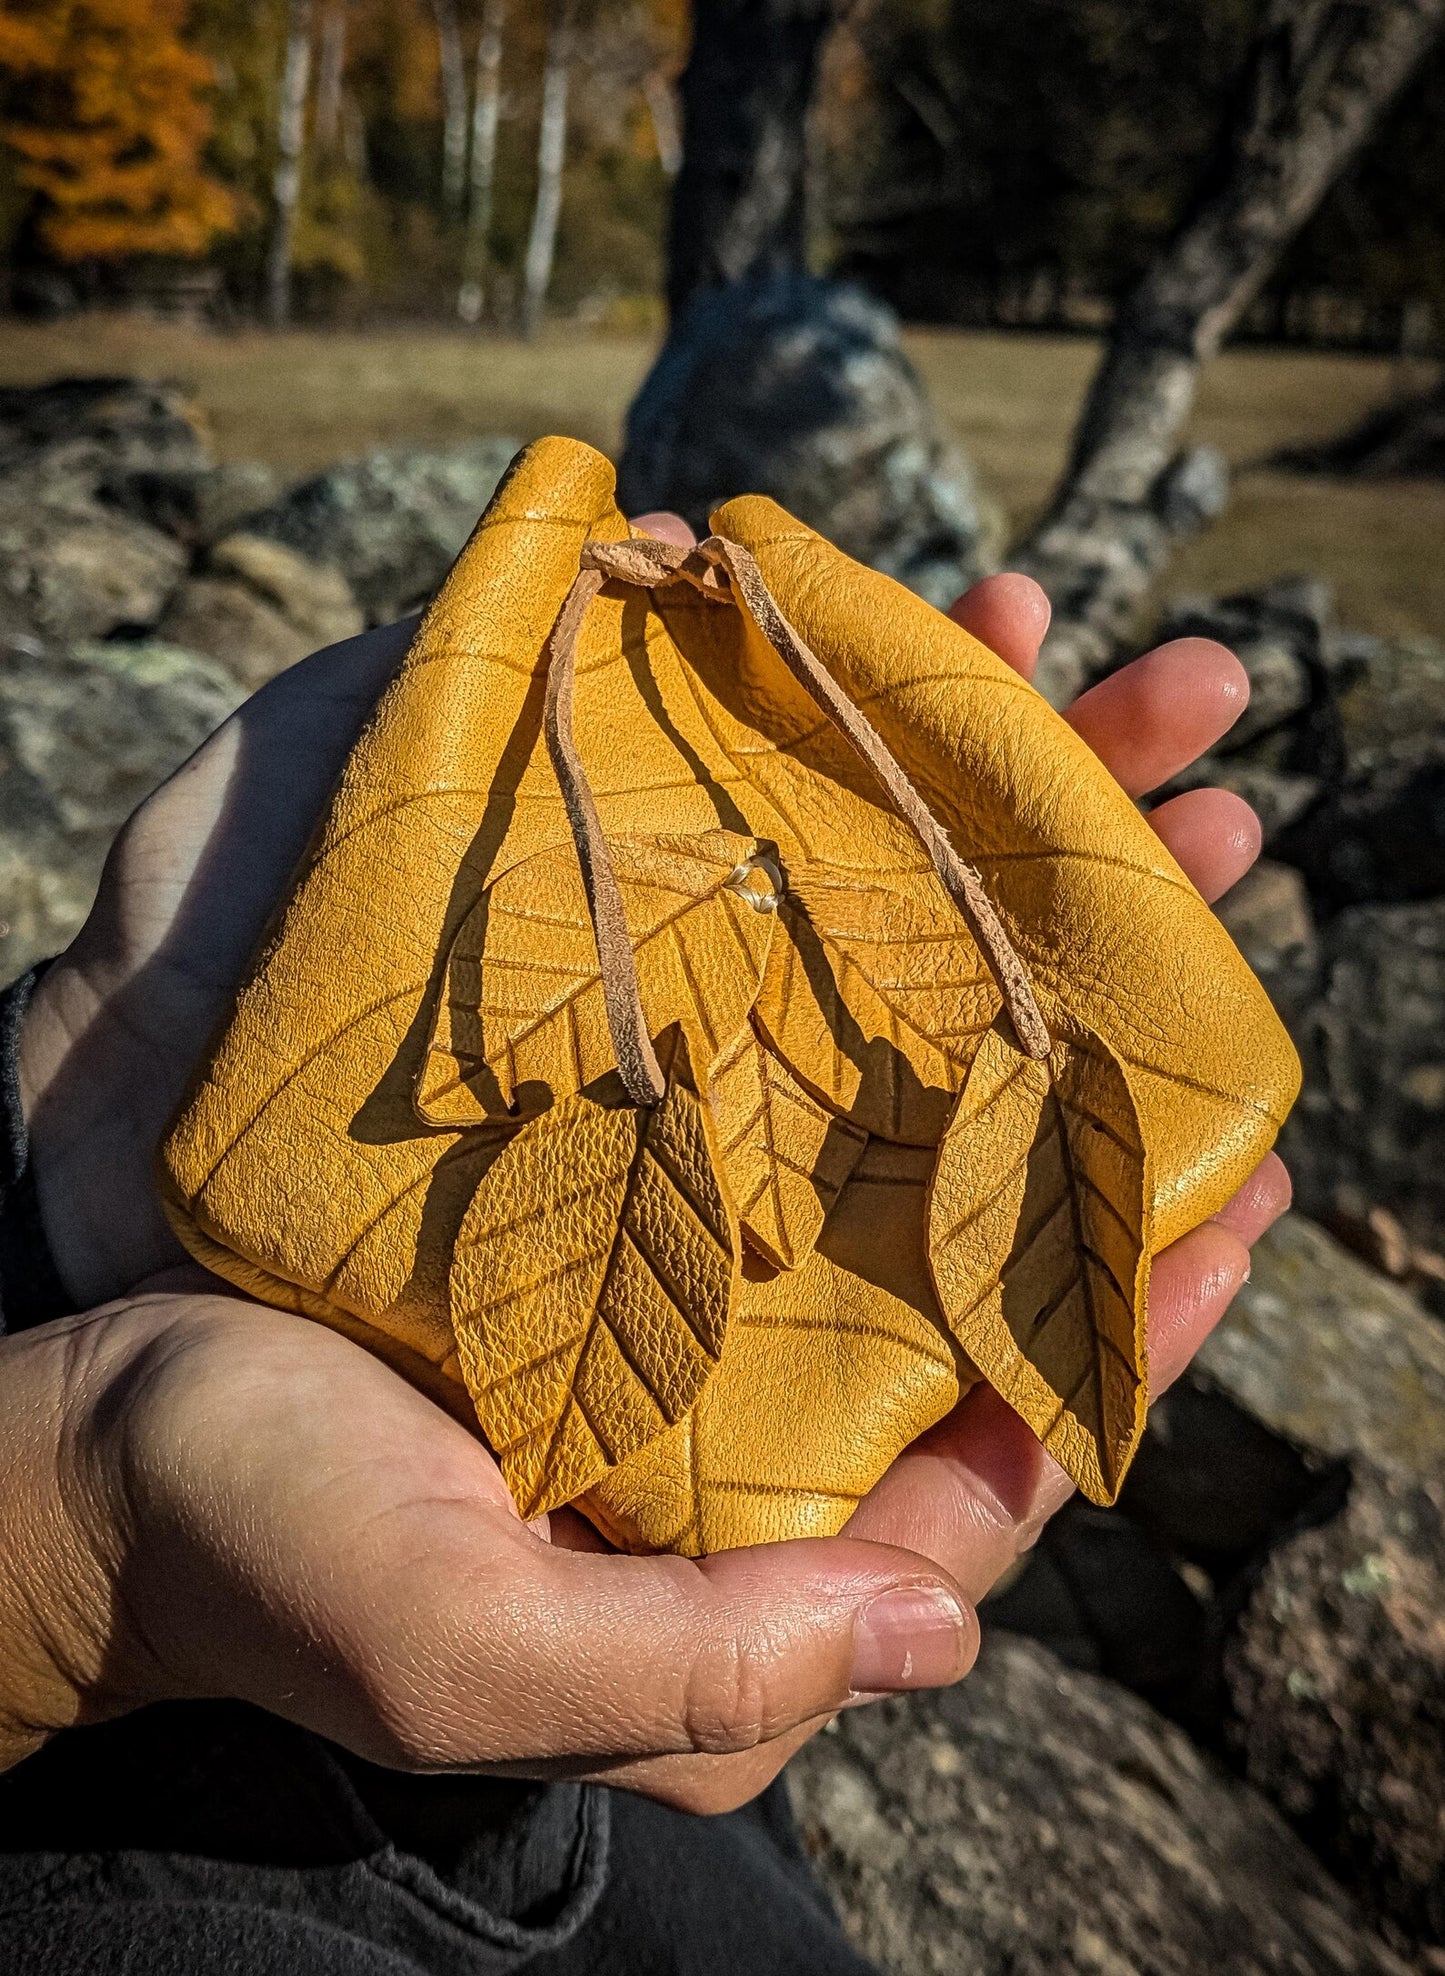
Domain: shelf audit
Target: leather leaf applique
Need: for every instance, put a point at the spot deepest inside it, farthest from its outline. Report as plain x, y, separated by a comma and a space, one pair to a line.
523, 1021
785, 1156
1038, 1237
591, 1285
876, 995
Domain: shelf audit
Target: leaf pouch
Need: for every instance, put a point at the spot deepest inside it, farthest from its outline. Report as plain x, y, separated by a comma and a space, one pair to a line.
724, 1013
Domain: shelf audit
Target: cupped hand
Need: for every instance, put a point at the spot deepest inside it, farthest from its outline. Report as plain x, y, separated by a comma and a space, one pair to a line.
334, 1546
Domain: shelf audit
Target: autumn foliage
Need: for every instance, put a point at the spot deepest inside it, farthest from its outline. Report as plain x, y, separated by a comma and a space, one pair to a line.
109, 114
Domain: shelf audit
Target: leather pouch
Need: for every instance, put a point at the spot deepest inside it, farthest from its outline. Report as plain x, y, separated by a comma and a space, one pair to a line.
723, 1013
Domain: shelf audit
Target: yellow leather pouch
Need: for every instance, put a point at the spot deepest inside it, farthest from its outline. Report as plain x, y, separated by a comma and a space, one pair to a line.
723, 1013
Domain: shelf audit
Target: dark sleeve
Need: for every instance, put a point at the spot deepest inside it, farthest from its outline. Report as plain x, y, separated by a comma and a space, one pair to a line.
31, 1291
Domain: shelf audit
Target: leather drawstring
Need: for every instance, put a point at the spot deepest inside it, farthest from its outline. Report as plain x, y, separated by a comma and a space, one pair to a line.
715, 567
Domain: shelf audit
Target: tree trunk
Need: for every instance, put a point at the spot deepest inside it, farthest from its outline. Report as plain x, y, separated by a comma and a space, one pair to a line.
661, 99
331, 74
454, 104
739, 206
486, 109
551, 156
290, 148
1321, 74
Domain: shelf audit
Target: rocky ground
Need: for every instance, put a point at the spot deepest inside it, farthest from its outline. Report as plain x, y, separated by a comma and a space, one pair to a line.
1208, 1729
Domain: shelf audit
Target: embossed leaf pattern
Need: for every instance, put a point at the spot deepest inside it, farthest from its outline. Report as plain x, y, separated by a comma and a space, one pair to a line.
876, 995
523, 1022
298, 1166
828, 1371
591, 1285
1039, 1243
784, 1155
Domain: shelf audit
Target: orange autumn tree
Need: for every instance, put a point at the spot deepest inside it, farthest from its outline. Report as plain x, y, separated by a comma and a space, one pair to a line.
108, 113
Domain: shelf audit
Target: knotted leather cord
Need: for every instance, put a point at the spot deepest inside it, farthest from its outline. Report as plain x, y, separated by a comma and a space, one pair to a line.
650, 564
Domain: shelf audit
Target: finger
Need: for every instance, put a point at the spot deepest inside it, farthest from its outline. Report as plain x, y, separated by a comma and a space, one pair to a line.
551, 1657
1260, 1202
1214, 835
1154, 717
977, 1488
664, 526
1009, 614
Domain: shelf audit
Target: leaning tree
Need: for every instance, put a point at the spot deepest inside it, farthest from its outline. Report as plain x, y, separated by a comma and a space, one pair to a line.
1319, 77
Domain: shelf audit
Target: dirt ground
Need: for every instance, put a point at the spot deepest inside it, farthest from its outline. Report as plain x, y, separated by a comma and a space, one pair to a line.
304, 399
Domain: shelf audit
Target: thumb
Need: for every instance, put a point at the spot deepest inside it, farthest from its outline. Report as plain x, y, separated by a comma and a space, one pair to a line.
564, 1660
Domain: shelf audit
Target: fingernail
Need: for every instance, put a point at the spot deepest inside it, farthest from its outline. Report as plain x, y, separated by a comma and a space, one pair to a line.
913, 1638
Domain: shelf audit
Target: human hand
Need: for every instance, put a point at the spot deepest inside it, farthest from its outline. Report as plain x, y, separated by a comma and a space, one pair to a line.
204, 1497
110, 1042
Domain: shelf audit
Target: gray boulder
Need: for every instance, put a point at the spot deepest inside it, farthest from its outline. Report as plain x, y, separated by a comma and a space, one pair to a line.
1330, 1357
197, 505
85, 735
73, 570
1379, 832
257, 607
392, 523
1273, 1576
1370, 1124
799, 388
1334, 1680
71, 565
72, 434
1035, 1819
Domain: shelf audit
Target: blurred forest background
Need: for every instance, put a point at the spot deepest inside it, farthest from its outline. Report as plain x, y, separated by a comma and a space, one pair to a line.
418, 191
1003, 162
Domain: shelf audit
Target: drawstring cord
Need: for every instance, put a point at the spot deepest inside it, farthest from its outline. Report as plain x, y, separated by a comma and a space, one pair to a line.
715, 567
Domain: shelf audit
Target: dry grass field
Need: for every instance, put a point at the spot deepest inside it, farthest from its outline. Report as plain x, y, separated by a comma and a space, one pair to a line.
307, 398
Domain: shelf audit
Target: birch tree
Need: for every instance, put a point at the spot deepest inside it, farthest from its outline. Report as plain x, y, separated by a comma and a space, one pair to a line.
1321, 75
482, 177
331, 74
290, 150
551, 157
454, 104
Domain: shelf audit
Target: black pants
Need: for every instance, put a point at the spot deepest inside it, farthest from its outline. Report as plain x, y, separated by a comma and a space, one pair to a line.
210, 1839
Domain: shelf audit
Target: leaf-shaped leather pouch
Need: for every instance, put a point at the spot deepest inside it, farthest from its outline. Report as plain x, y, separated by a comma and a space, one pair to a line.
723, 1013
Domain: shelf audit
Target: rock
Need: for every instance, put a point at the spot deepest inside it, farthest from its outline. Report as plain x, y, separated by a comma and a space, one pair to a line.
1036, 1820
393, 523
77, 571
799, 388
1305, 1441
71, 567
1268, 914
196, 505
85, 735
1389, 691
1329, 1357
260, 608
1334, 1675
1269, 917
1379, 832
75, 432
1370, 1124
1278, 799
